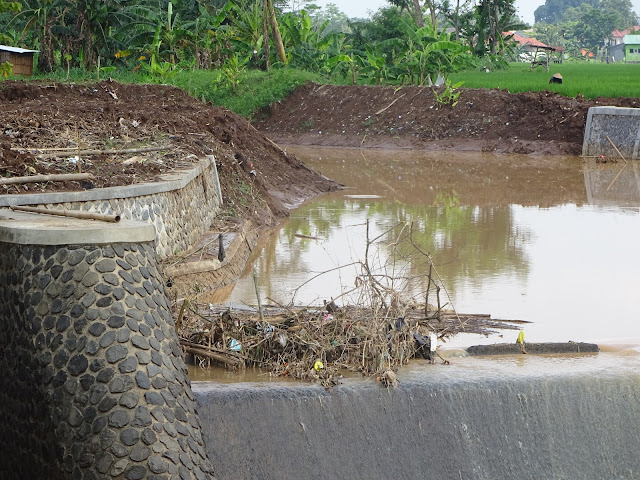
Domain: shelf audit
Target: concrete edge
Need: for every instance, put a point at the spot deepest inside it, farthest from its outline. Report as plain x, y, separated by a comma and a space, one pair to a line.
171, 182
190, 268
39, 229
587, 132
535, 348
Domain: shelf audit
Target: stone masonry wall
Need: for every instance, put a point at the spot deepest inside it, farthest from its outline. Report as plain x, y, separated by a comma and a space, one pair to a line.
180, 215
92, 379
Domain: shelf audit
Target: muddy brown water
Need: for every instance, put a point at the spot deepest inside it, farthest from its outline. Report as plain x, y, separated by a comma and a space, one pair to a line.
551, 240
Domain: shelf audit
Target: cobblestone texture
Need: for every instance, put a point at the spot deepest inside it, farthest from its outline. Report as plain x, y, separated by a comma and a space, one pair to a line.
92, 379
180, 217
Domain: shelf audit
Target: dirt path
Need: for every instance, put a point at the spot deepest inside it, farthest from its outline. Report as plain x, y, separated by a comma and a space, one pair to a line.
385, 117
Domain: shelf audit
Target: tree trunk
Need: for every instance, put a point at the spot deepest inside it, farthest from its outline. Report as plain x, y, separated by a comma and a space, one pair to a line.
457, 21
277, 38
265, 38
432, 11
418, 13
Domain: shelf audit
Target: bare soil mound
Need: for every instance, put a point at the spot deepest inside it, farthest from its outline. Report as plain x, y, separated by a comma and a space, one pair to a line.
54, 128
410, 117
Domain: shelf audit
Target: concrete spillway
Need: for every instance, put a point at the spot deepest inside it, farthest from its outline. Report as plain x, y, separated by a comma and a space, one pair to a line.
505, 423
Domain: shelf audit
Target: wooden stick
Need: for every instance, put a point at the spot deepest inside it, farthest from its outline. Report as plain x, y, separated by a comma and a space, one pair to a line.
255, 283
614, 146
55, 177
380, 111
100, 152
217, 357
69, 213
615, 178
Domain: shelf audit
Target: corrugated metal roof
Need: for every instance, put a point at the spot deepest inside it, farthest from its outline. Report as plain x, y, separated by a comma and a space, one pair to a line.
16, 49
525, 40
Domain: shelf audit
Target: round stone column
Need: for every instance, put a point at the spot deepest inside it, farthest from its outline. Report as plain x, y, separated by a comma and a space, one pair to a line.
92, 379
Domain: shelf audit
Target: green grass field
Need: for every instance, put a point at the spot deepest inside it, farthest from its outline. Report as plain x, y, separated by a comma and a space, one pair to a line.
257, 89
588, 79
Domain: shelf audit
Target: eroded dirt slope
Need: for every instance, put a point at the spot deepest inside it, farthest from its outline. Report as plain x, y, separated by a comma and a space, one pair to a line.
53, 118
410, 117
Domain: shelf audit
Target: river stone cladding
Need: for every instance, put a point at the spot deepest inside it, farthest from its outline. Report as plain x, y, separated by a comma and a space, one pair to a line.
92, 379
181, 208
180, 217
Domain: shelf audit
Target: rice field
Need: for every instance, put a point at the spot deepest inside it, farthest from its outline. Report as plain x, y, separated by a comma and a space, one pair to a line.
591, 80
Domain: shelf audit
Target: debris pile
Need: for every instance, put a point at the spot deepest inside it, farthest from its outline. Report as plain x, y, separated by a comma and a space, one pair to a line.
318, 345
381, 330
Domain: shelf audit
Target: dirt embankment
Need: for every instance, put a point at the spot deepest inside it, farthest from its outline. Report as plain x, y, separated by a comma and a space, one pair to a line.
45, 126
410, 117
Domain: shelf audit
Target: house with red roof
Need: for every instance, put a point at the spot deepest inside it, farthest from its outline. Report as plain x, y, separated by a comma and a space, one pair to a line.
623, 44
532, 48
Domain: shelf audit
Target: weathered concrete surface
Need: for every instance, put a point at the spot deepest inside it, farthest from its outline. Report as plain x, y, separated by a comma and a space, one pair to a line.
181, 208
444, 428
39, 229
535, 348
621, 125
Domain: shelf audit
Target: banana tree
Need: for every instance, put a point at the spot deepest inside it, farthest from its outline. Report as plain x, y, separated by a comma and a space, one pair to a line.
351, 62
308, 46
430, 53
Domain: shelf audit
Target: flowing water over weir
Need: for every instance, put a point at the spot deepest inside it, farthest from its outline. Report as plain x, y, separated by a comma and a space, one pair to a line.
563, 417
550, 240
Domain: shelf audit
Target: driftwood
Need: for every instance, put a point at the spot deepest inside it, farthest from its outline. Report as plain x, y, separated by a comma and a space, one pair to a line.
101, 152
221, 356
69, 213
385, 108
56, 177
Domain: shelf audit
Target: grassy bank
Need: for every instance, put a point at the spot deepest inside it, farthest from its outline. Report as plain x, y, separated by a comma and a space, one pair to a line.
255, 89
588, 79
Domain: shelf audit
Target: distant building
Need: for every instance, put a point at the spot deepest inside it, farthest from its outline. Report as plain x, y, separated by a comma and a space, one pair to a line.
20, 58
632, 48
620, 49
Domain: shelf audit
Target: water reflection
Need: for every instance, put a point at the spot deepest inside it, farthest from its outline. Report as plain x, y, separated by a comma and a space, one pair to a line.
517, 237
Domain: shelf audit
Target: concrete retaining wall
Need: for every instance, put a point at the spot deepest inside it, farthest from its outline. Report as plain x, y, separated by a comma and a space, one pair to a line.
621, 125
181, 207
443, 427
92, 379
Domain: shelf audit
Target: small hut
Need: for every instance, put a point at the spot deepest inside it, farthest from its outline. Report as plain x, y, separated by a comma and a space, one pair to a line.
20, 58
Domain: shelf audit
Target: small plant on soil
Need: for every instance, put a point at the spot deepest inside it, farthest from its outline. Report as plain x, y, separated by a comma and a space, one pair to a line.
450, 93
307, 124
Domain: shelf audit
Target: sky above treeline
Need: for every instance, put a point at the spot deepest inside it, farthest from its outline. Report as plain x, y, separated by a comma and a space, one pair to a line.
361, 8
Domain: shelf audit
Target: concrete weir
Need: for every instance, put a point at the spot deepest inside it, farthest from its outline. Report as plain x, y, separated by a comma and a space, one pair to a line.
611, 128
440, 427
92, 379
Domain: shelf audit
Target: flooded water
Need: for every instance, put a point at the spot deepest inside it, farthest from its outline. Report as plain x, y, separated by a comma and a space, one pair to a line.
553, 240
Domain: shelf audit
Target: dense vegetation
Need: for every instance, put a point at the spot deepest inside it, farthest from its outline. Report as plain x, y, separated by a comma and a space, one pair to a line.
247, 53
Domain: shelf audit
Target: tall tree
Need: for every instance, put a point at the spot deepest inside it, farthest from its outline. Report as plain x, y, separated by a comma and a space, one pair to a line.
553, 10
275, 31
492, 18
594, 27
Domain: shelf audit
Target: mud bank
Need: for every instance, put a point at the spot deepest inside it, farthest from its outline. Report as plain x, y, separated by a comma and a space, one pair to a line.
487, 120
477, 427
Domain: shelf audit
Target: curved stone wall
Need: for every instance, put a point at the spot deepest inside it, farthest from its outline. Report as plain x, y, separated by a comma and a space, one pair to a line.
181, 207
92, 379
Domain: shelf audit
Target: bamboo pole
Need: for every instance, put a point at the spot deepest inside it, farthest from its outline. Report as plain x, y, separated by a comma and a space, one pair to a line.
69, 213
614, 146
55, 177
101, 152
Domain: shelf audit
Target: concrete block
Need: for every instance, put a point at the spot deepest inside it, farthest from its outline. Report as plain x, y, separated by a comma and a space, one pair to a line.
621, 125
